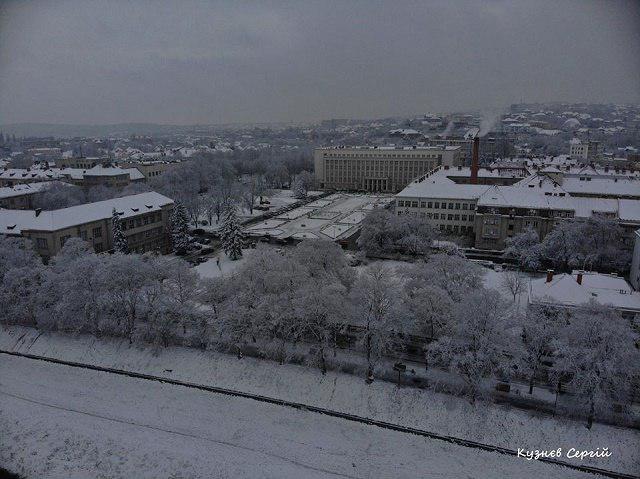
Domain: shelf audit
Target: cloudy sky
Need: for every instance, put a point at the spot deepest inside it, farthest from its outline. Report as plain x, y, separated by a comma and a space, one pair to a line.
183, 62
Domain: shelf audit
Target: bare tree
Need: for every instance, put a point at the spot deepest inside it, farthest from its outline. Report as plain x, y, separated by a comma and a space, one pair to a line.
514, 283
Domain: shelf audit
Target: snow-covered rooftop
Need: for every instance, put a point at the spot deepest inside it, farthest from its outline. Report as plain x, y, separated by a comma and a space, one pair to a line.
23, 189
564, 290
15, 221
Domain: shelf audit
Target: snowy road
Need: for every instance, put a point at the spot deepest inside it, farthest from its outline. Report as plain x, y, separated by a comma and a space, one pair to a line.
58, 421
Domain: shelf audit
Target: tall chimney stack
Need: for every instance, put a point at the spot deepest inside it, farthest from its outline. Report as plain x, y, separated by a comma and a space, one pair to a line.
549, 275
474, 160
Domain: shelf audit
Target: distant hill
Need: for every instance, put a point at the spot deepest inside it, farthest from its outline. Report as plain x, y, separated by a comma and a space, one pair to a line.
119, 129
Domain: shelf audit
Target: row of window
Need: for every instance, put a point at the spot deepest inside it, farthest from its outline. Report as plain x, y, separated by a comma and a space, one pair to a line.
440, 216
142, 220
385, 157
435, 205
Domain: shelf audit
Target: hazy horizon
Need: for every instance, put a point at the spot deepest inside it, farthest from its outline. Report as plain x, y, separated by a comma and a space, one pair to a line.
98, 63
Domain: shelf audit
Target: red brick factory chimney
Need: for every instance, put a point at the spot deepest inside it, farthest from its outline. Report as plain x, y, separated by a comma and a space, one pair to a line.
474, 160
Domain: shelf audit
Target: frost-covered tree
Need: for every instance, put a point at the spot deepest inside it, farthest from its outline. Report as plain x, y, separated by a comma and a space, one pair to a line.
453, 274
540, 331
379, 313
301, 184
182, 285
525, 248
598, 352
255, 186
473, 347
59, 195
596, 243
431, 309
385, 233
19, 295
324, 260
15, 253
120, 243
513, 283
125, 279
180, 228
318, 310
71, 288
231, 233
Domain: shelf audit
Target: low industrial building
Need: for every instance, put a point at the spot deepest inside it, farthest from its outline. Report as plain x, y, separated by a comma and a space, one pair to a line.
145, 220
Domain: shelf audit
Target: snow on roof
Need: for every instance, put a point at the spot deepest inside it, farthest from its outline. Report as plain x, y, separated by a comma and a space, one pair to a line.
436, 188
391, 148
16, 221
603, 186
134, 173
522, 198
33, 173
564, 290
23, 189
100, 170
629, 210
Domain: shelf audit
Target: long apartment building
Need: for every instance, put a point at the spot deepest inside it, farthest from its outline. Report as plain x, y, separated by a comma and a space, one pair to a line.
378, 169
145, 219
111, 176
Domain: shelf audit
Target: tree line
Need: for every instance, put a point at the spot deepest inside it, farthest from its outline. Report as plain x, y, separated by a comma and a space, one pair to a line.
306, 303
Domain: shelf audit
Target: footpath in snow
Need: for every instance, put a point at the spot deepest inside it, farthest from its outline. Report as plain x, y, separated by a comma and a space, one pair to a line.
443, 414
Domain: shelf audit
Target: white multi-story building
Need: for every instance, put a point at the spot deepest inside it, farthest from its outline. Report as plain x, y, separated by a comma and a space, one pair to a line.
145, 220
586, 151
378, 169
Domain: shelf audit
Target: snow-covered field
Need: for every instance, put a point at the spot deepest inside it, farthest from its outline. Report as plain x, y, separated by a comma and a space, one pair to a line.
221, 265
61, 422
489, 423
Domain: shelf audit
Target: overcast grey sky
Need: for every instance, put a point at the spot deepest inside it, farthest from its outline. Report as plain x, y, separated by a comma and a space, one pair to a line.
83, 61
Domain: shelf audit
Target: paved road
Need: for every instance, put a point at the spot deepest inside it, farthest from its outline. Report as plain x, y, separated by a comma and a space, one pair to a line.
58, 421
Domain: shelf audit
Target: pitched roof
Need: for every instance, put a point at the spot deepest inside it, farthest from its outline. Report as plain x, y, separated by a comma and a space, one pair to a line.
16, 221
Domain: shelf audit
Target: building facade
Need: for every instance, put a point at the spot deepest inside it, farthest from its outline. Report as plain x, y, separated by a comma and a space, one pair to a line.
145, 220
378, 169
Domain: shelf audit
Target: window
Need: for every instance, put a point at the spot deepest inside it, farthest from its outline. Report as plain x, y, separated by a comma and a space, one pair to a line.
436, 205
97, 232
449, 217
465, 206
430, 204
83, 235
456, 217
131, 224
63, 240
42, 243
464, 217
138, 221
99, 248
457, 206
436, 216
146, 220
450, 206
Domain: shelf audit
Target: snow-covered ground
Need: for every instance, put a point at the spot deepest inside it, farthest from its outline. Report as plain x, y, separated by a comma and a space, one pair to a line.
277, 200
489, 423
221, 265
334, 217
61, 422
